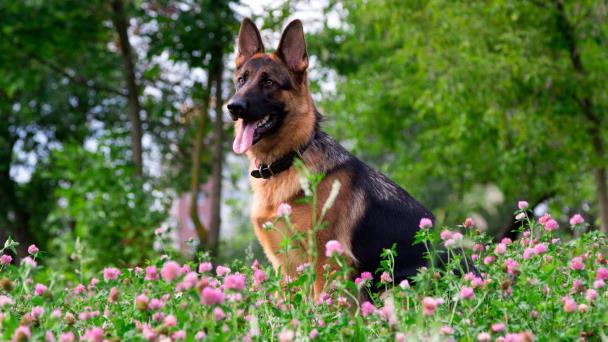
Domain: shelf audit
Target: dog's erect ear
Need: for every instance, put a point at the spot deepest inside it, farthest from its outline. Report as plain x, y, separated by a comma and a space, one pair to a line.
292, 48
250, 42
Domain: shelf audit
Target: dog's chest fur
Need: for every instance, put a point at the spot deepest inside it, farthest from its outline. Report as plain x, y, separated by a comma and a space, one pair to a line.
285, 187
268, 194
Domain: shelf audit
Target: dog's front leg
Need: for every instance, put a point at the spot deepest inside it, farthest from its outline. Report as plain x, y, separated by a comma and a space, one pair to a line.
319, 284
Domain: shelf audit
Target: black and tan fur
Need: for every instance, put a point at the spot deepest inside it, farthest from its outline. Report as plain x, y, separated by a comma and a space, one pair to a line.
370, 212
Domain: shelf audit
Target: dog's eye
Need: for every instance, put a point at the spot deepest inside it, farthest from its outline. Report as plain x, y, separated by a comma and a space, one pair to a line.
268, 83
240, 81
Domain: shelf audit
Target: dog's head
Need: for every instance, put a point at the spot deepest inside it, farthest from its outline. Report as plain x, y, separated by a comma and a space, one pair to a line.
272, 106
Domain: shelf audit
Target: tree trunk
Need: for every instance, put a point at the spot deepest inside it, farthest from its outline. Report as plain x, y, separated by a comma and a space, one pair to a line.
22, 232
3, 233
121, 24
197, 151
18, 226
586, 105
602, 196
218, 155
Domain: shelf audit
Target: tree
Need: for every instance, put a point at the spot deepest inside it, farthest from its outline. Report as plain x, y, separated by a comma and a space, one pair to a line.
49, 93
197, 150
587, 107
75, 87
217, 162
458, 100
199, 33
121, 23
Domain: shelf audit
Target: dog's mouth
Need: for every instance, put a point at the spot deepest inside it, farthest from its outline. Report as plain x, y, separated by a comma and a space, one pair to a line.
250, 132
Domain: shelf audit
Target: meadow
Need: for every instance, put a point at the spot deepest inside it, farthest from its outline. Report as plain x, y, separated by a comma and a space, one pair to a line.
538, 287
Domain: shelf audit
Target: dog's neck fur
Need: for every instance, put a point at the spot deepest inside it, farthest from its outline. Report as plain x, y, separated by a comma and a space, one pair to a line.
302, 127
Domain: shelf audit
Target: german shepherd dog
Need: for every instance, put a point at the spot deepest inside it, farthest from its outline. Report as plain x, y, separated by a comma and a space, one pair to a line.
275, 122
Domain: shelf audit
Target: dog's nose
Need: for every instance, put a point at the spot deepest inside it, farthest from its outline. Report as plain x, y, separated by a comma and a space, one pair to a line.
237, 107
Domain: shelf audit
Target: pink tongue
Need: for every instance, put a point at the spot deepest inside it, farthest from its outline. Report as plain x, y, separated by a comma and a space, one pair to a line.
244, 138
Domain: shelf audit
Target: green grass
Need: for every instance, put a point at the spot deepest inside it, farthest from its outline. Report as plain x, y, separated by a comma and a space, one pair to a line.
554, 291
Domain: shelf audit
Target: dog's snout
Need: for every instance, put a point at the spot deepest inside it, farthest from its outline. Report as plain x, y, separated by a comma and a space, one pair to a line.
237, 108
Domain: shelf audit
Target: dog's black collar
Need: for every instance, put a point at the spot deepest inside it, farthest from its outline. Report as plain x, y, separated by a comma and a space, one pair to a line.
266, 171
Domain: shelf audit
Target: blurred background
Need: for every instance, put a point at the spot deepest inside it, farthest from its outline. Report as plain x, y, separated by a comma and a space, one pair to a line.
114, 144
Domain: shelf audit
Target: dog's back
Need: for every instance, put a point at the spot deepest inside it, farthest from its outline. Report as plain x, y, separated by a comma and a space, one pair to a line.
389, 215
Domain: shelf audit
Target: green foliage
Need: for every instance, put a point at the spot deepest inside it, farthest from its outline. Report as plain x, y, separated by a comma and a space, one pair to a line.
104, 206
57, 87
193, 34
448, 96
191, 31
63, 86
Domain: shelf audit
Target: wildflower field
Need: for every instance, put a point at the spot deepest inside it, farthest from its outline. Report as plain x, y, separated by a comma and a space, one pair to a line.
536, 288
